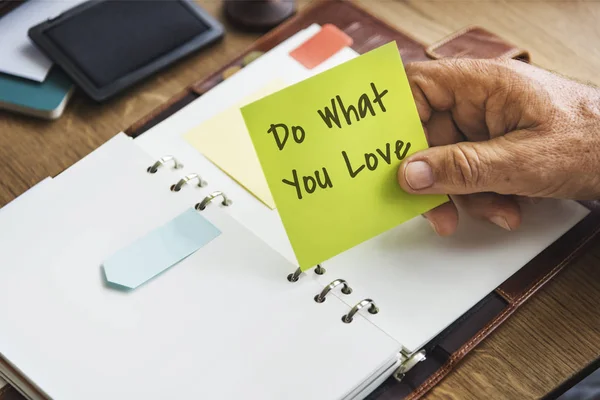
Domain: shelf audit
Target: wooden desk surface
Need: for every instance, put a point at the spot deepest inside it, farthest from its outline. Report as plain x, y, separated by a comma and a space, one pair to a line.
553, 336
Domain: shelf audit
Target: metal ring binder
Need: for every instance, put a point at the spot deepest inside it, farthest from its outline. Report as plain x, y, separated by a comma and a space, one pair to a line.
408, 362
319, 270
202, 205
162, 161
185, 180
345, 289
347, 318
293, 277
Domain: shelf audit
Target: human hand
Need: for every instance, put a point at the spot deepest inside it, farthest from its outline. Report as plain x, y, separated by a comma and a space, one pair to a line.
501, 131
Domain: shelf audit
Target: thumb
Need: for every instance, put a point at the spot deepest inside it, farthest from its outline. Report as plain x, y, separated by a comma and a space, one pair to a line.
465, 168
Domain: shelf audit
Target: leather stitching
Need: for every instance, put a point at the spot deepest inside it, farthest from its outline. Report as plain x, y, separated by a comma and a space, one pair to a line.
504, 294
435, 378
430, 50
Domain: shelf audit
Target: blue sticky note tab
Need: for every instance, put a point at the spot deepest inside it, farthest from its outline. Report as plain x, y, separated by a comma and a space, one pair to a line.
159, 250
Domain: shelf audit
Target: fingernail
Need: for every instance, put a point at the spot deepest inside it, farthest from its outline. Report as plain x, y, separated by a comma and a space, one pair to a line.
530, 200
432, 224
501, 222
418, 175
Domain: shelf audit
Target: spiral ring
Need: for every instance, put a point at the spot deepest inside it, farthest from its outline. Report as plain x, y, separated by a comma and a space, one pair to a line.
345, 289
162, 161
347, 318
202, 205
295, 276
185, 180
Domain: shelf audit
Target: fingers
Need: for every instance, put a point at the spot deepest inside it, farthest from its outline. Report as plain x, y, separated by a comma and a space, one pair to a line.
457, 87
443, 130
482, 119
497, 165
485, 98
503, 211
528, 200
443, 219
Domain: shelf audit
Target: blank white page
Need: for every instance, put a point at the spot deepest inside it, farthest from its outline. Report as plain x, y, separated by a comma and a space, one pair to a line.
19, 206
28, 195
224, 323
23, 201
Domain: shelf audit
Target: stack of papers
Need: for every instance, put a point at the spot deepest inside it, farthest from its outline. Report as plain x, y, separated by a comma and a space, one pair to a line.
18, 55
28, 82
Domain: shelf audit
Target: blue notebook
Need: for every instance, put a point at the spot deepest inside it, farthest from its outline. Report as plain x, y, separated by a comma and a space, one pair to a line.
40, 99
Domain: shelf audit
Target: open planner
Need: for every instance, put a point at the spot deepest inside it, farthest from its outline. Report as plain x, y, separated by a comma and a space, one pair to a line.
236, 318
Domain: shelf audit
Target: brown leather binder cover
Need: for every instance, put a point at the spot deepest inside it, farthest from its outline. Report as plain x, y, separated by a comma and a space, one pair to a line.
368, 32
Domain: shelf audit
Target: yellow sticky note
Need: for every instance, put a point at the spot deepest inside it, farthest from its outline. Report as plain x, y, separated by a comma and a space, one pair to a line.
224, 140
330, 148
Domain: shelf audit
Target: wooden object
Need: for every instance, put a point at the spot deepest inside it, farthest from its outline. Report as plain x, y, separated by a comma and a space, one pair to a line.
551, 337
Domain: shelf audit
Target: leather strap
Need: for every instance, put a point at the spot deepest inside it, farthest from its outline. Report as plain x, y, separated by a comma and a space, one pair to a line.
475, 42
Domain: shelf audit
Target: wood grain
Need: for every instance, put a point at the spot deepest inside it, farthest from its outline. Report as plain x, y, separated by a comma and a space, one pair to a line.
550, 338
